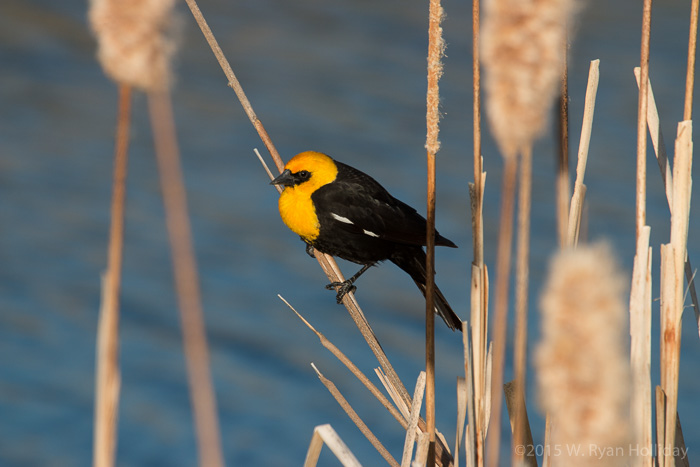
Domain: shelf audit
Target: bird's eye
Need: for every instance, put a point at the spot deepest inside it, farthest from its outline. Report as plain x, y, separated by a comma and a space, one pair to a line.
304, 173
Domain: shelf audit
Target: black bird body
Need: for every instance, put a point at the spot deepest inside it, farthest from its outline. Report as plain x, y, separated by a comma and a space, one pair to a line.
344, 212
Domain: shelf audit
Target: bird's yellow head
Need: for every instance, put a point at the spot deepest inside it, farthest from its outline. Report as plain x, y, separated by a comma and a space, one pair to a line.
302, 176
307, 172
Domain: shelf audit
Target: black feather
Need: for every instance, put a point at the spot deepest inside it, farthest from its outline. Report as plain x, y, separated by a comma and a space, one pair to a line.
375, 227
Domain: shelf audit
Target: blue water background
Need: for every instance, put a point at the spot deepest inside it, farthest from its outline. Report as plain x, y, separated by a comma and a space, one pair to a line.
347, 78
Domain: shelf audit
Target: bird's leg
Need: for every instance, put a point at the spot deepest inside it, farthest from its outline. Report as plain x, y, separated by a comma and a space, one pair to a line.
310, 250
347, 285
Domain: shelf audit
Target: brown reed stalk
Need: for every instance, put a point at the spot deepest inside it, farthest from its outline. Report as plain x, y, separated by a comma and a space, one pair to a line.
186, 280
525, 453
584, 143
477, 198
500, 317
436, 48
582, 359
657, 139
413, 418
640, 349
563, 187
108, 378
672, 263
234, 83
476, 367
463, 393
474, 440
356, 418
522, 276
642, 120
690, 71
326, 434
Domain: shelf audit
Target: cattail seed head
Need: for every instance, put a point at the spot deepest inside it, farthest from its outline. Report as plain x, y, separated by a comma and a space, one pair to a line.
136, 40
582, 360
523, 53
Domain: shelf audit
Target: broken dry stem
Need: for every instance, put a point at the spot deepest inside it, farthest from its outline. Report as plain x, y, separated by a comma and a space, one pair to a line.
356, 418
352, 367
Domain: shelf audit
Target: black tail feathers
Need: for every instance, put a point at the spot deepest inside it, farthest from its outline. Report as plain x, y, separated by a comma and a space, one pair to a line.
412, 261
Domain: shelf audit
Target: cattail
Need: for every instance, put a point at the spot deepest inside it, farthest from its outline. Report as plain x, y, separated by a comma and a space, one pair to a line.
136, 40
582, 359
523, 55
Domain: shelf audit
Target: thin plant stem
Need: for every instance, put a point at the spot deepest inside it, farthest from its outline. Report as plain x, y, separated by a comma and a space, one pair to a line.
108, 378
690, 72
356, 418
642, 120
353, 368
479, 290
435, 51
186, 281
673, 257
584, 143
414, 416
478, 161
500, 318
325, 434
234, 83
522, 273
563, 183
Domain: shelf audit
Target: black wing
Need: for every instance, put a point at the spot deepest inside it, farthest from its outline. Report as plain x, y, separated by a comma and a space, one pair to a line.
360, 205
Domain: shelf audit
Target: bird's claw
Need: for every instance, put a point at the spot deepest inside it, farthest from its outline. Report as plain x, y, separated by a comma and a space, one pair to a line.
310, 250
343, 289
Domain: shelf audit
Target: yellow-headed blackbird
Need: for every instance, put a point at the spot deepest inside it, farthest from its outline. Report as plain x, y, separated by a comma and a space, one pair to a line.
343, 212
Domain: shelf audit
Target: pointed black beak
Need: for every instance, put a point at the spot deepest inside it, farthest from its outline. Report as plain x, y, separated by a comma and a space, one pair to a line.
285, 178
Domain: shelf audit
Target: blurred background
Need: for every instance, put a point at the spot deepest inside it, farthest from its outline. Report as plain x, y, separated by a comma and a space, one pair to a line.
346, 78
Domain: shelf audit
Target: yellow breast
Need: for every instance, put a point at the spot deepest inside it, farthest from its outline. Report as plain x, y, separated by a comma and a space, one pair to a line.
295, 205
298, 213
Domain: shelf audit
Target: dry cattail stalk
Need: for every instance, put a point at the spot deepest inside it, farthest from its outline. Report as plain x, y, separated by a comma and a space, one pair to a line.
107, 375
582, 359
325, 434
136, 40
523, 60
436, 49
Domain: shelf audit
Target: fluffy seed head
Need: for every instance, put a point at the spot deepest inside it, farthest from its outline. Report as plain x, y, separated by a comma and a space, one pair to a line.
582, 359
136, 40
523, 52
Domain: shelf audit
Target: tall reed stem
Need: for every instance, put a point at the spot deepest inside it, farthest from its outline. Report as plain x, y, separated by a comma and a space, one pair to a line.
522, 274
690, 71
186, 281
642, 120
432, 145
500, 317
108, 378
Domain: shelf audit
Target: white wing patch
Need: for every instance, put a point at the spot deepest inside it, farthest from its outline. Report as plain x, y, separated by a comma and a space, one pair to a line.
345, 220
342, 219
